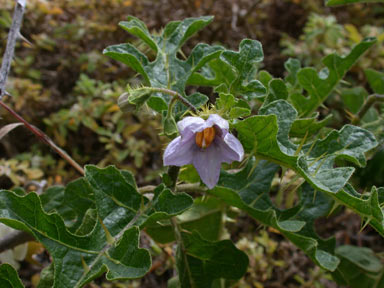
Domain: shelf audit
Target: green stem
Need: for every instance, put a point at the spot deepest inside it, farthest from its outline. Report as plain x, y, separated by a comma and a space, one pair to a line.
176, 95
170, 107
191, 187
173, 172
372, 99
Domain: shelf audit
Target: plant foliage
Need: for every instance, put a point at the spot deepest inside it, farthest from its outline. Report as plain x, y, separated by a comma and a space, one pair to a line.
93, 225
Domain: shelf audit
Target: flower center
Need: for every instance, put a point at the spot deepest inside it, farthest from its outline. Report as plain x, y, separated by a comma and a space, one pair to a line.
205, 137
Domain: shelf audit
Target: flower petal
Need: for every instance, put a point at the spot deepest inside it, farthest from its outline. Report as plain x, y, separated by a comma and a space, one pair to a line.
190, 125
180, 151
207, 163
231, 148
216, 120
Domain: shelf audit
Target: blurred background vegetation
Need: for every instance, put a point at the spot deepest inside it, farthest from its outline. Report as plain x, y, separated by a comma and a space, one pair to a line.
62, 84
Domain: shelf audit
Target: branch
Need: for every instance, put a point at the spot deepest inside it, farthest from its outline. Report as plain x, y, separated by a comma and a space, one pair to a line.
372, 99
192, 187
11, 42
177, 96
173, 172
44, 138
14, 239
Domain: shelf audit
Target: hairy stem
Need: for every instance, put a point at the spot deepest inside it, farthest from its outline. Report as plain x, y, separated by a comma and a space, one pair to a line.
191, 187
173, 172
177, 96
170, 107
372, 99
44, 138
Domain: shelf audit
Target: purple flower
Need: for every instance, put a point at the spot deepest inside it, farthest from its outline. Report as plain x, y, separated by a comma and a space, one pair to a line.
205, 144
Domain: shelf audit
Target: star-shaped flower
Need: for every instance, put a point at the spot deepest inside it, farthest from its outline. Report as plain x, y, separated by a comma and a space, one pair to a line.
205, 144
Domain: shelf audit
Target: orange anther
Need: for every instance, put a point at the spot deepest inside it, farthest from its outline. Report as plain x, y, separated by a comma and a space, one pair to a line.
205, 137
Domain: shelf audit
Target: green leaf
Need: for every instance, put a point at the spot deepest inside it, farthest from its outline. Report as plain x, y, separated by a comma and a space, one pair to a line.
157, 103
368, 205
244, 62
261, 132
189, 174
267, 136
215, 73
375, 80
232, 108
200, 262
9, 277
345, 2
138, 28
107, 234
47, 277
169, 126
165, 205
130, 56
196, 99
293, 67
277, 90
71, 202
265, 77
134, 97
119, 202
167, 70
77, 259
182, 31
225, 101
308, 126
248, 190
359, 267
354, 98
320, 85
237, 112
170, 28
205, 217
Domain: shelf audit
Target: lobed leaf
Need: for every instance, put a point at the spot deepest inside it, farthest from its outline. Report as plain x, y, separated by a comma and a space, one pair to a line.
308, 126
9, 277
375, 80
77, 259
344, 2
276, 90
165, 205
232, 108
248, 190
293, 67
182, 31
130, 56
200, 262
359, 267
167, 70
216, 73
138, 28
354, 98
105, 235
243, 62
71, 202
205, 217
320, 85
267, 136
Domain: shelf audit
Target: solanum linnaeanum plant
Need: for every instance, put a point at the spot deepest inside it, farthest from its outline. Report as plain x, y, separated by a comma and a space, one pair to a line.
92, 226
205, 144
